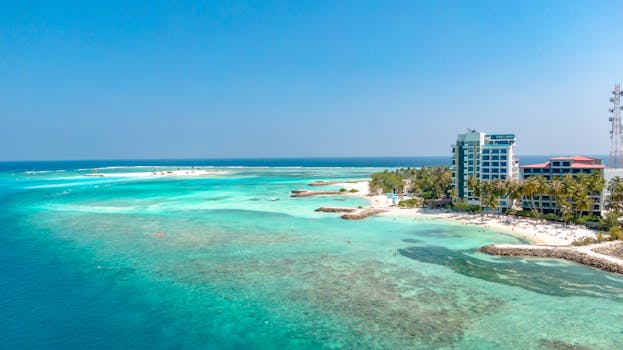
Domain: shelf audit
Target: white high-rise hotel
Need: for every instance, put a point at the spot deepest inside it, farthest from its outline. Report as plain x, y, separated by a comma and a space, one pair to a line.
485, 157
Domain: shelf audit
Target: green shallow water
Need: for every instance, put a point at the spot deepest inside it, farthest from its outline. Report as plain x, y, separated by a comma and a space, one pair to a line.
233, 262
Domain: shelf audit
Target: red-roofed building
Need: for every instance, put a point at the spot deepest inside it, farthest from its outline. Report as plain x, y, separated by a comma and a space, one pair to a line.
561, 166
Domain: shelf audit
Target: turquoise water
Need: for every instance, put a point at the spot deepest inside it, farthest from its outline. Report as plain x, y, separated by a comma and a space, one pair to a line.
232, 262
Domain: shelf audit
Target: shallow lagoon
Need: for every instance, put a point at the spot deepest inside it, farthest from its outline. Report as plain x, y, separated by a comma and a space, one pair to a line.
232, 262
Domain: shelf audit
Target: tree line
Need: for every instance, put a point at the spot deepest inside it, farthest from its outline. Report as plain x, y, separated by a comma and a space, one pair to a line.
573, 195
433, 182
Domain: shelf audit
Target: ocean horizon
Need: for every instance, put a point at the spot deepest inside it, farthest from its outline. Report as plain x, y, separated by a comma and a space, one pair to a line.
379, 162
231, 261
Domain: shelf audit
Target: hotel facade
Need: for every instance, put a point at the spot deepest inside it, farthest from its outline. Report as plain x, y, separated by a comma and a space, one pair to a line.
485, 157
559, 167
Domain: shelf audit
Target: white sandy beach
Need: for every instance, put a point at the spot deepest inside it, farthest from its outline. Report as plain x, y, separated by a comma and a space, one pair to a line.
535, 231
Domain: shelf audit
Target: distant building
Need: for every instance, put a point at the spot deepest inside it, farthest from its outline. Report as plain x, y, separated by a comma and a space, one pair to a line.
485, 157
558, 167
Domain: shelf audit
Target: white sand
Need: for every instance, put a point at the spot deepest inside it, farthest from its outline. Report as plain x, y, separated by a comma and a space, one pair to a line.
163, 173
535, 231
538, 232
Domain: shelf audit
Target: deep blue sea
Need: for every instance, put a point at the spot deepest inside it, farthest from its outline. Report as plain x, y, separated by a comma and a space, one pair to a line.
230, 261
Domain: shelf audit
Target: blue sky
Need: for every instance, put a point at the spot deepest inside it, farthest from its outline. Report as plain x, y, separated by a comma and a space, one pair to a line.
87, 80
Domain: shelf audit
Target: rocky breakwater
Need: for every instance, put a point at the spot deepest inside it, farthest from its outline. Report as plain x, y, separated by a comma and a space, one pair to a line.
360, 214
335, 210
307, 193
586, 255
351, 213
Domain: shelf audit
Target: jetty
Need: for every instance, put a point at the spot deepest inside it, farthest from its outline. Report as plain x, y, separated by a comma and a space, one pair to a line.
351, 213
329, 183
323, 183
604, 256
335, 210
308, 193
360, 214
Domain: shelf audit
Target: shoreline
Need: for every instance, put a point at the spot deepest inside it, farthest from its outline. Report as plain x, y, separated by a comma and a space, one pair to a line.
534, 231
546, 239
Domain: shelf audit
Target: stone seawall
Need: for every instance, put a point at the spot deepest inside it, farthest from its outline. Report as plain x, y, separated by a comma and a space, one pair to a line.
335, 210
360, 214
580, 255
351, 213
306, 193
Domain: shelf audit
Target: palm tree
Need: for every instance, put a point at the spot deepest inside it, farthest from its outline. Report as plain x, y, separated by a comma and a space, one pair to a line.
541, 189
583, 203
530, 189
513, 191
556, 190
596, 182
474, 185
566, 211
615, 183
569, 189
491, 201
614, 203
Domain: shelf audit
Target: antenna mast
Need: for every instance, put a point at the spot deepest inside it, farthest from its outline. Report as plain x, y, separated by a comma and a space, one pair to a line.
616, 131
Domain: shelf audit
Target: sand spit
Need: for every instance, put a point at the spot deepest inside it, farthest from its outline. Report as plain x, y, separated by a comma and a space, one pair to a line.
162, 173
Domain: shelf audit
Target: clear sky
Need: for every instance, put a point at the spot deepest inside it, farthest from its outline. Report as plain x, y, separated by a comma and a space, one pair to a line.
131, 79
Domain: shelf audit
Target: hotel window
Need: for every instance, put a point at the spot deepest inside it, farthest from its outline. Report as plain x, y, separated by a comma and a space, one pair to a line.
555, 163
503, 177
485, 176
503, 164
503, 151
495, 171
496, 163
485, 151
495, 151
495, 157
485, 157
485, 164
566, 164
503, 157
